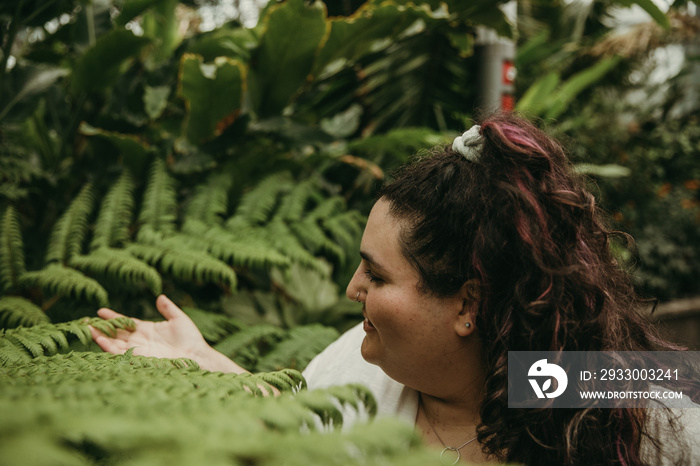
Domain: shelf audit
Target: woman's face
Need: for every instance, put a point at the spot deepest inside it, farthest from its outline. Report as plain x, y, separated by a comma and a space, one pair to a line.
412, 336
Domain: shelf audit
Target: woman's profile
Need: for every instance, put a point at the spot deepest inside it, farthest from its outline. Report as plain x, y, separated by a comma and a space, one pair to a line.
486, 246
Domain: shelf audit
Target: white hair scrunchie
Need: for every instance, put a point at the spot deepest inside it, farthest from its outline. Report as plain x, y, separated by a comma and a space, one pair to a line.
469, 144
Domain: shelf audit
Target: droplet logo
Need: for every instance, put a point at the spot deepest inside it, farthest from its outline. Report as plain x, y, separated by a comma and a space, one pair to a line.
543, 369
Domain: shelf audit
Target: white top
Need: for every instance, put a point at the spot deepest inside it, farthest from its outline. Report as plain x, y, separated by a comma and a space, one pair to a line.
342, 363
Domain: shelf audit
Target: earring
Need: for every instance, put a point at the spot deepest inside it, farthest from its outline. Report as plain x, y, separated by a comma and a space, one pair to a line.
357, 298
468, 325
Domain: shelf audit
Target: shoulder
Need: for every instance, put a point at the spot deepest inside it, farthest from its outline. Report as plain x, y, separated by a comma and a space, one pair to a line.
676, 432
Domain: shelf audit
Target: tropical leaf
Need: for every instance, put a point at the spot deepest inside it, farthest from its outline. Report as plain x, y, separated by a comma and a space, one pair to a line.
99, 66
213, 93
292, 34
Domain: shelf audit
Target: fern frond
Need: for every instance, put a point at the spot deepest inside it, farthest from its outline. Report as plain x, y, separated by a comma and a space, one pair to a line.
213, 326
284, 240
209, 203
246, 247
299, 346
16, 311
11, 250
57, 279
159, 207
185, 263
20, 344
246, 345
314, 238
345, 228
257, 205
294, 204
328, 207
121, 266
69, 232
116, 210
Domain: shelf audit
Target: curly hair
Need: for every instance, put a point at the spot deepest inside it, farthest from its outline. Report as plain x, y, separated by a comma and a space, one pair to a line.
522, 223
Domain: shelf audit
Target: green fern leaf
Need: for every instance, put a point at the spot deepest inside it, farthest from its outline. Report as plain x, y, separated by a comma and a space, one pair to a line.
209, 203
247, 345
68, 234
257, 205
11, 250
284, 240
159, 208
11, 353
213, 326
112, 226
246, 247
175, 258
121, 266
64, 281
345, 228
314, 238
294, 204
19, 344
16, 311
297, 349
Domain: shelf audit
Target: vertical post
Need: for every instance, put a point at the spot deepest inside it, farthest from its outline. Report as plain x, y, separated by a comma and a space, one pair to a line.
496, 61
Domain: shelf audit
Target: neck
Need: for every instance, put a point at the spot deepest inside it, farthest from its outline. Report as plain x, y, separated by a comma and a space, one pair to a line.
453, 412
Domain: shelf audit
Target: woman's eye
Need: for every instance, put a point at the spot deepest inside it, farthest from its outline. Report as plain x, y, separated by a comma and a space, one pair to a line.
372, 278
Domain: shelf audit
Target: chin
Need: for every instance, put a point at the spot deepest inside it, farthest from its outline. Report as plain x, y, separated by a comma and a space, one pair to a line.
368, 353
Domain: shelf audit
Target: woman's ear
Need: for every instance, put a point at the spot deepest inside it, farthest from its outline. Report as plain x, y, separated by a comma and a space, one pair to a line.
470, 294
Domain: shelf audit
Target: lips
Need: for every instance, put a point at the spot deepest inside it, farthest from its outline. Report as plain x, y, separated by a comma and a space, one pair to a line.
367, 324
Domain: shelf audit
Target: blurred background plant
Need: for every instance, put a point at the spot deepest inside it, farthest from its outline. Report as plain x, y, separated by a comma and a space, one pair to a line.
226, 153
155, 146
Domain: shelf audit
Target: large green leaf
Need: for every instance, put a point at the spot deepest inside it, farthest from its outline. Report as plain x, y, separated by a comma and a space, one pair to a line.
577, 83
369, 29
659, 16
132, 8
213, 94
534, 100
292, 35
100, 66
162, 24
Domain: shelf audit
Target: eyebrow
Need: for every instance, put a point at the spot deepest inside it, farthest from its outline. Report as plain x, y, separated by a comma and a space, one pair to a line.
368, 258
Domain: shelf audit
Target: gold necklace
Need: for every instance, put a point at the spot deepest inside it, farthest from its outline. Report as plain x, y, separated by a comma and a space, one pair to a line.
455, 449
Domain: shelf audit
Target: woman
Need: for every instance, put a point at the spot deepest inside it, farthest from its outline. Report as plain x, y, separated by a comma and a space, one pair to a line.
488, 246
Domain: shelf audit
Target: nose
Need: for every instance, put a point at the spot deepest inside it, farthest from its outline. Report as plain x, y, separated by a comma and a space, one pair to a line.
354, 289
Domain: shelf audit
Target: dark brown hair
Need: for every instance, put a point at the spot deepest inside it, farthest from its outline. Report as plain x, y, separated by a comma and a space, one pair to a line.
523, 224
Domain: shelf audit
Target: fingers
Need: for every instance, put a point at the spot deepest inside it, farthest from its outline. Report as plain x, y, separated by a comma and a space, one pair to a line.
107, 344
167, 308
108, 313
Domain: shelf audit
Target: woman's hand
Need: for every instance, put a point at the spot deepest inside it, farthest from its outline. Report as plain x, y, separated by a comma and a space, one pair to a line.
176, 337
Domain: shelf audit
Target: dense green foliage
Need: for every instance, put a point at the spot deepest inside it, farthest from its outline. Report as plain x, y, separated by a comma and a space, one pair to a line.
232, 170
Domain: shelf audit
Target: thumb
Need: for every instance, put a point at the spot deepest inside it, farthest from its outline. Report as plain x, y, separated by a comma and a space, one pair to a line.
167, 308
